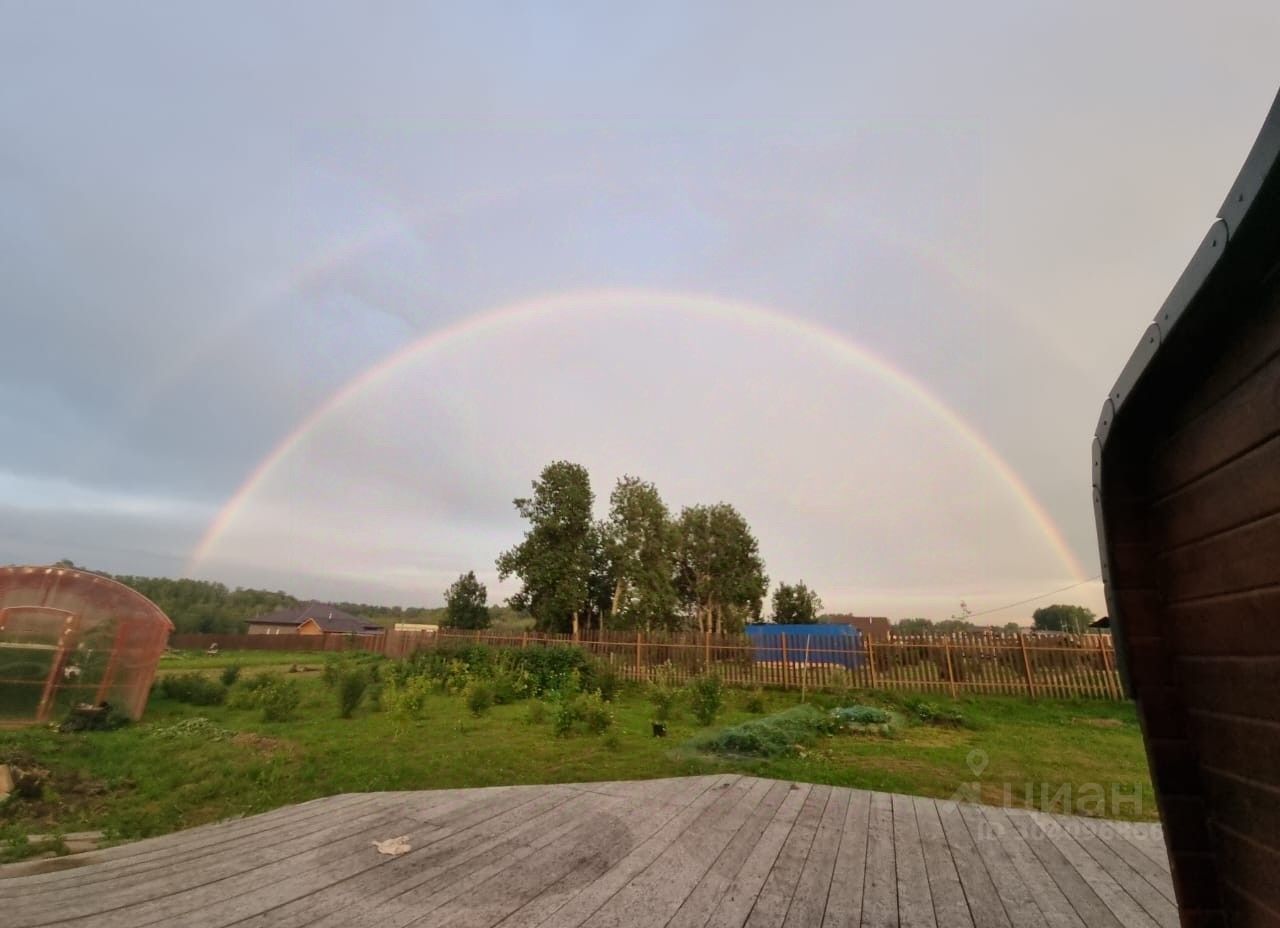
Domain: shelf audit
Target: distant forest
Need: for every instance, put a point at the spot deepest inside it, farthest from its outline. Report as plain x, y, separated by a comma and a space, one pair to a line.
214, 608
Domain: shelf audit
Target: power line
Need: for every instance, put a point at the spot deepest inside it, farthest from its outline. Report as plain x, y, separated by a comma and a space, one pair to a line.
1023, 602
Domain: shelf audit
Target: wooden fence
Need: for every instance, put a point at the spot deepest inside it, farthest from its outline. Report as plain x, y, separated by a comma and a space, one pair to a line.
1059, 666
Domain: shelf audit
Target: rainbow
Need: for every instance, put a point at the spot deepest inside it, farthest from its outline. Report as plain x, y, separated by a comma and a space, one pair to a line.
836, 345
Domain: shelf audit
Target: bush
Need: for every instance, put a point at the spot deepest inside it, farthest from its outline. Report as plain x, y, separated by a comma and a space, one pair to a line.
932, 714
375, 696
772, 736
604, 679
585, 709
510, 686
706, 695
479, 696
192, 688
409, 699
230, 674
279, 700
351, 690
664, 700
537, 713
754, 703
862, 717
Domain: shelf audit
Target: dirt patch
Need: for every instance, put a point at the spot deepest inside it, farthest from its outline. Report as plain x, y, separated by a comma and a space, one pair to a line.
1099, 723
64, 795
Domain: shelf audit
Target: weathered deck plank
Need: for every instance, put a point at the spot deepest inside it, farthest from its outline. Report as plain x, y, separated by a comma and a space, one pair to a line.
698, 852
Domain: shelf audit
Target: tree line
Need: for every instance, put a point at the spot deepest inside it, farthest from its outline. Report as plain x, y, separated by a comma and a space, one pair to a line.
641, 567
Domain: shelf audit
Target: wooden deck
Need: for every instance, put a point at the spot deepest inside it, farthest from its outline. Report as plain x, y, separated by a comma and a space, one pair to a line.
682, 853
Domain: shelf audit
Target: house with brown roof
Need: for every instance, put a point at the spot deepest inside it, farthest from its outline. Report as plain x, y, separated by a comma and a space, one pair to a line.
313, 618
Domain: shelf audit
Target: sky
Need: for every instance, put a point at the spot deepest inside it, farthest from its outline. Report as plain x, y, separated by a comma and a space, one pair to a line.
302, 296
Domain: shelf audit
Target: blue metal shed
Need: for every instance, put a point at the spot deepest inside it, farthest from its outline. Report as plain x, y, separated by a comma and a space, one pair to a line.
826, 644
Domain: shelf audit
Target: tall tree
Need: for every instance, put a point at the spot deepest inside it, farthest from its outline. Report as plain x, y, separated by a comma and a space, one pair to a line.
557, 559
466, 603
1061, 618
640, 542
795, 604
719, 574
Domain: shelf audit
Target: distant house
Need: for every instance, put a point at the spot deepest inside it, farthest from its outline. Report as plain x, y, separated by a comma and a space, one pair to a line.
312, 618
416, 627
872, 627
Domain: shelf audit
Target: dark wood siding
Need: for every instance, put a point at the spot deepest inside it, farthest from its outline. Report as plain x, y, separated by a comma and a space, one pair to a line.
1193, 495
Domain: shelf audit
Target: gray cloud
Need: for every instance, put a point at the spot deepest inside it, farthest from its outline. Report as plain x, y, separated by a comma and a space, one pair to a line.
215, 217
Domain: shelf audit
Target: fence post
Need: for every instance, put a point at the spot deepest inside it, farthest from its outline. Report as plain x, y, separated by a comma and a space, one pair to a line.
706, 652
1108, 667
639, 655
951, 673
786, 664
871, 661
1026, 665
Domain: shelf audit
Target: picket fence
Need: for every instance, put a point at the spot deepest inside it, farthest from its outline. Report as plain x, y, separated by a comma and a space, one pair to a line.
1053, 666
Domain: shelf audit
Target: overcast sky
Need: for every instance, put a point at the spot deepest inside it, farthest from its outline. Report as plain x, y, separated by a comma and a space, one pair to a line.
734, 236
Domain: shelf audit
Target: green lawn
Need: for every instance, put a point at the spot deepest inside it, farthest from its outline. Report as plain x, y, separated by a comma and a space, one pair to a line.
132, 783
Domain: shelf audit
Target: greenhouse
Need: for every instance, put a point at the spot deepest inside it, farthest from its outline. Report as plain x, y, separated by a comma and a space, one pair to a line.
69, 638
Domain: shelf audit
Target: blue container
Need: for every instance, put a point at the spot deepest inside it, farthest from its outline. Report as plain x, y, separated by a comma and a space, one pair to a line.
827, 644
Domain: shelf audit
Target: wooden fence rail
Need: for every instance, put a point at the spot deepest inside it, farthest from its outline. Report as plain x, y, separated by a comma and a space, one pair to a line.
1059, 667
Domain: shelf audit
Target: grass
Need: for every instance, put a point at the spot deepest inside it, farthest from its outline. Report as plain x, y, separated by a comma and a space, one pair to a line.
171, 772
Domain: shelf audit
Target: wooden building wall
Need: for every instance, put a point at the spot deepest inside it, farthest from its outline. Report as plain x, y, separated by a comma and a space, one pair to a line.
1192, 491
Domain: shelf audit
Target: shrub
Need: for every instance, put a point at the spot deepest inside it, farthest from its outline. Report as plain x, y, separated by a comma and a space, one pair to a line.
664, 700
279, 700
706, 696
230, 674
754, 702
409, 699
333, 671
862, 717
931, 714
510, 685
479, 696
375, 696
564, 716
351, 690
773, 735
192, 688
604, 679
585, 709
537, 713
595, 713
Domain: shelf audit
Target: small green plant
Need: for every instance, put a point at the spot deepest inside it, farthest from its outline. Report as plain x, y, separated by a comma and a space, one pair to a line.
564, 716
192, 688
279, 700
775, 735
664, 699
333, 671
374, 694
861, 715
351, 690
706, 697
932, 714
479, 697
754, 702
407, 700
230, 674
587, 710
606, 680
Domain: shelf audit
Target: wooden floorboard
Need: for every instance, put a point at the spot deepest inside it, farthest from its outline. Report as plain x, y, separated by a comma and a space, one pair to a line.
721, 851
